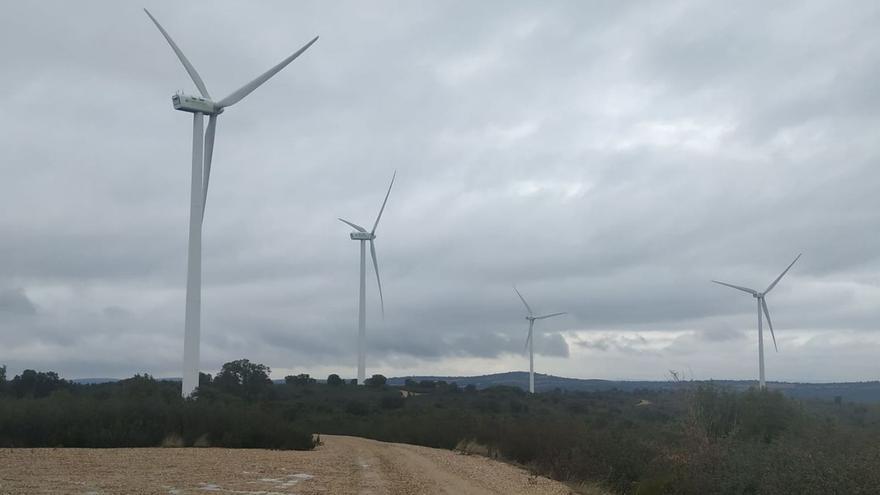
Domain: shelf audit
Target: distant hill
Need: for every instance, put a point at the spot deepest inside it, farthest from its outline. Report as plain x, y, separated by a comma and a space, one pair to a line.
95, 381
847, 391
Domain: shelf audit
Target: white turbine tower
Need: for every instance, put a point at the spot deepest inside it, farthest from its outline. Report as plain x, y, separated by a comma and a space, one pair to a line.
203, 150
762, 307
363, 236
530, 341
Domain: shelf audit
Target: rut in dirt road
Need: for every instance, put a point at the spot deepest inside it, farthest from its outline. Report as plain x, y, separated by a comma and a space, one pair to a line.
389, 468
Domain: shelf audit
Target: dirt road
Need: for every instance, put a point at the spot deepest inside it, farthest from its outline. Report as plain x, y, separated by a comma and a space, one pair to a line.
343, 465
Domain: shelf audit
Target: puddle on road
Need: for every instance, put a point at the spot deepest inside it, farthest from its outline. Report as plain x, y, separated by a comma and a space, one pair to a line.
286, 481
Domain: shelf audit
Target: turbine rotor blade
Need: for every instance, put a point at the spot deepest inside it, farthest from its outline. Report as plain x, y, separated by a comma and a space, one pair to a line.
744, 289
523, 301
193, 74
383, 203
209, 153
769, 323
354, 226
378, 280
782, 274
248, 88
551, 315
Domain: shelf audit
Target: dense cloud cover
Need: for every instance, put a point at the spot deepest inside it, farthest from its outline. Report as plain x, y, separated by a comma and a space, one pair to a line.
609, 158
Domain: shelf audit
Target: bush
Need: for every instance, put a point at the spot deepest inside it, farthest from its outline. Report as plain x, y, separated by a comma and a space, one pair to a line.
376, 381
391, 402
36, 384
301, 379
334, 380
357, 408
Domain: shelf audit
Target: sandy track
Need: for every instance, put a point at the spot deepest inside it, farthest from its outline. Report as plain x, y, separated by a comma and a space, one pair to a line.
343, 465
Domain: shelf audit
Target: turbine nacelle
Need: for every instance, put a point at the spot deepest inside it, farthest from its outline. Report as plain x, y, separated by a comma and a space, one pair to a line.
195, 104
362, 236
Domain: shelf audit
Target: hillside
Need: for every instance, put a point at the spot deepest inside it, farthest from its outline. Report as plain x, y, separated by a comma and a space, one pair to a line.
848, 391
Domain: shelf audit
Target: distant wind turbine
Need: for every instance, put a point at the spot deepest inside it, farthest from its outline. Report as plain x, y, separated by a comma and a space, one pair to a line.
762, 307
530, 341
363, 236
203, 150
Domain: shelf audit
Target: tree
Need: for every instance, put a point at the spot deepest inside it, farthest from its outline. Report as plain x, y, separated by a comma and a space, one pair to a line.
334, 380
2, 374
376, 381
204, 379
139, 386
244, 378
301, 379
36, 383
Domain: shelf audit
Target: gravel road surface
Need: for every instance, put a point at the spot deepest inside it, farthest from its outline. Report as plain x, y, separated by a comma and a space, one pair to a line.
342, 465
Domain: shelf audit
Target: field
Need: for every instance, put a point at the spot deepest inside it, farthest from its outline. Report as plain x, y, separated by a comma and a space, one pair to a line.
341, 465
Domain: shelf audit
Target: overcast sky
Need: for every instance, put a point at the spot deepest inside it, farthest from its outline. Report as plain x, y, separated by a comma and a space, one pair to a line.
608, 158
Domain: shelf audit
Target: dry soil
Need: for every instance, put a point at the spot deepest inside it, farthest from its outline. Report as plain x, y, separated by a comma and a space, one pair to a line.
342, 465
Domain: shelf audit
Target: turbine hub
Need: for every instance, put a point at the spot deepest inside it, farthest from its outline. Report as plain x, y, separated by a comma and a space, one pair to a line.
362, 236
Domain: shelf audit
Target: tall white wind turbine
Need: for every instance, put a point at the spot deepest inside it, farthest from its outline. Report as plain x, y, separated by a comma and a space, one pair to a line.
530, 341
202, 152
762, 308
361, 234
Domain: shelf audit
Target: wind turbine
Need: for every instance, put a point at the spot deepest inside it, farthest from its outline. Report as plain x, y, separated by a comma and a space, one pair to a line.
203, 151
762, 307
530, 341
361, 234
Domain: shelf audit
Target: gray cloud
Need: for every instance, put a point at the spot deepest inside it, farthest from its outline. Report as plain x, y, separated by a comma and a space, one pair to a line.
16, 302
610, 160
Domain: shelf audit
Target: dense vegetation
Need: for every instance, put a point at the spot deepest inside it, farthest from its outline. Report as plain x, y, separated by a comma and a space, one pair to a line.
694, 439
40, 409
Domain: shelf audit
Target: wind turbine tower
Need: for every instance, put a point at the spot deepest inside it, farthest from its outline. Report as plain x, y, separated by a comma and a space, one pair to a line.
530, 341
202, 153
762, 307
361, 234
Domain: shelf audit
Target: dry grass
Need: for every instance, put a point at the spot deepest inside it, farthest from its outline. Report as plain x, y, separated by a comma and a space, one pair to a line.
588, 488
472, 447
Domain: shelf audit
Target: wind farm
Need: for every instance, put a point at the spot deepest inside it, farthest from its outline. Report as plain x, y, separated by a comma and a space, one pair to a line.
624, 169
